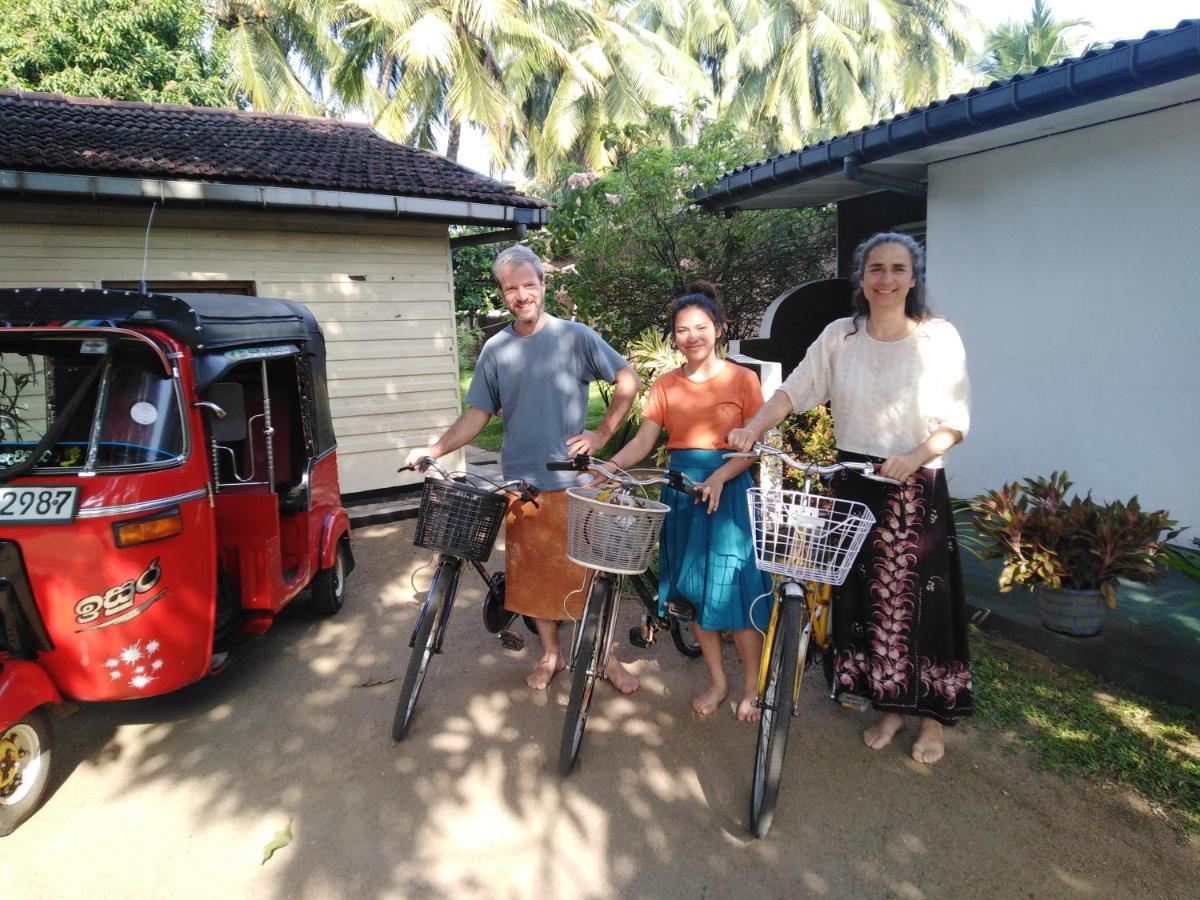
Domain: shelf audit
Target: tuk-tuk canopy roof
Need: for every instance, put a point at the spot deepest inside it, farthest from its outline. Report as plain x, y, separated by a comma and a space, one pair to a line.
215, 325
201, 321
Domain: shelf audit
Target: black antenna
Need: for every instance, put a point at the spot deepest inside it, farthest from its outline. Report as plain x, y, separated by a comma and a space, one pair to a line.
146, 249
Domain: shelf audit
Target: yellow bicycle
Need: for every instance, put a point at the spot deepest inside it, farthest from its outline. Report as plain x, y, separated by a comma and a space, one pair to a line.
811, 541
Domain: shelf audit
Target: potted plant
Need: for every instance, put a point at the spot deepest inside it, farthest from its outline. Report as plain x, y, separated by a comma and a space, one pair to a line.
1069, 552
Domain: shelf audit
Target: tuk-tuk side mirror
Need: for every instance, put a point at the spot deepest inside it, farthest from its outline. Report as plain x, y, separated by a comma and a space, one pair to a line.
229, 397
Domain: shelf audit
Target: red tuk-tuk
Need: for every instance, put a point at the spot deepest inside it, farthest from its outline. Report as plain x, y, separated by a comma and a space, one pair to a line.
168, 482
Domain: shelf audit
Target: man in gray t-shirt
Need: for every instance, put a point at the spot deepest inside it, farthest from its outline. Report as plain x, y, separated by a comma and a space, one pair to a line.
536, 374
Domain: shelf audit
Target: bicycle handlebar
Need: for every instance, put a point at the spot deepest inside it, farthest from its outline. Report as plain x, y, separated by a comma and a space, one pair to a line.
865, 469
584, 463
526, 492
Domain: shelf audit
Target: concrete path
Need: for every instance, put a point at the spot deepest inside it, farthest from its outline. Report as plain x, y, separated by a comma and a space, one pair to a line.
177, 796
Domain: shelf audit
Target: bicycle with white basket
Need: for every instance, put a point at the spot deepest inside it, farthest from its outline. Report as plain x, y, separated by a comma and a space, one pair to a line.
811, 540
611, 530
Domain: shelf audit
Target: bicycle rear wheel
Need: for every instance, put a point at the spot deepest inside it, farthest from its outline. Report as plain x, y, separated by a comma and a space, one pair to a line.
587, 670
782, 651
424, 644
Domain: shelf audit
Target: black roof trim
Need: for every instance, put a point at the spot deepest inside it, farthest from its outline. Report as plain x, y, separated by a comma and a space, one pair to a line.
1159, 57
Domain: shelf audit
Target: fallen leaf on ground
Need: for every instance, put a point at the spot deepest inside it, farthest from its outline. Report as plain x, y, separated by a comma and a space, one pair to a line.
375, 682
279, 840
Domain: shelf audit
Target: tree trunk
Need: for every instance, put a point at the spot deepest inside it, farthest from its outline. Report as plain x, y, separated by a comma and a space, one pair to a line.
453, 142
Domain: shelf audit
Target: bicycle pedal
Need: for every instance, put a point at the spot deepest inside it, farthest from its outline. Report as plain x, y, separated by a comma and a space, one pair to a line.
854, 702
681, 610
637, 637
510, 640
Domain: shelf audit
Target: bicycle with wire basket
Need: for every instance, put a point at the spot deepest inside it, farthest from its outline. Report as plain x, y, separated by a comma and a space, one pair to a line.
459, 517
612, 530
811, 540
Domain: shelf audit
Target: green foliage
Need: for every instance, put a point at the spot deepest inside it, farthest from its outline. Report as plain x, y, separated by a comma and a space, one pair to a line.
1015, 47
147, 50
626, 243
1079, 726
470, 342
474, 287
809, 436
1044, 538
1184, 560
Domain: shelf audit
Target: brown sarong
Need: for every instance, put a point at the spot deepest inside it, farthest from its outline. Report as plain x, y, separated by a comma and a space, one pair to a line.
537, 574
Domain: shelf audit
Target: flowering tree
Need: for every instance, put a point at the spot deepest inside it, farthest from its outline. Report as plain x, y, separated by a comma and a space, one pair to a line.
624, 244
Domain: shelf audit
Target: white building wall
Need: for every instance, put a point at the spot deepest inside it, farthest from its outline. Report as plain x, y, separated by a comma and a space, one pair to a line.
1071, 266
390, 337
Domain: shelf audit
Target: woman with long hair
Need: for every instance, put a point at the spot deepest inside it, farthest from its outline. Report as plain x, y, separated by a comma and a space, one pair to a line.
895, 377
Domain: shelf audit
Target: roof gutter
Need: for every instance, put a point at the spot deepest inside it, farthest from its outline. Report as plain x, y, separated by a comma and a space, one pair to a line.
516, 233
168, 192
1158, 58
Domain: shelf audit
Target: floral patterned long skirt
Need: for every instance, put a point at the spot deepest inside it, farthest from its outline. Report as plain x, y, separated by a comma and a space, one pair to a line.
900, 623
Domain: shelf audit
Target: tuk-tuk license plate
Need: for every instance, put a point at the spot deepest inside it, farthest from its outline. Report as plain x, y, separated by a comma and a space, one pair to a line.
38, 504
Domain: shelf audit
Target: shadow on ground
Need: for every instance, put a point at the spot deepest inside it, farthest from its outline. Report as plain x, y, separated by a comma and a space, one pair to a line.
179, 794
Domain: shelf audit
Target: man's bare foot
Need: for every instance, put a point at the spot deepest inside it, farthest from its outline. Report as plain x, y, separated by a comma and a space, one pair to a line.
881, 733
548, 666
622, 679
710, 699
930, 745
746, 710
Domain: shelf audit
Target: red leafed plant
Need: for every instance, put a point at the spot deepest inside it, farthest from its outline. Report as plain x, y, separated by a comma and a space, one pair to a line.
1044, 538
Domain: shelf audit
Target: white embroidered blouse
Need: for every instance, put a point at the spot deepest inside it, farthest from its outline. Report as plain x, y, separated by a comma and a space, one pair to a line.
886, 396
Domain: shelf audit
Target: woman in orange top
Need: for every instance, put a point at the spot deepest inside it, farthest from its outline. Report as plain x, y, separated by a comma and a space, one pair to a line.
706, 555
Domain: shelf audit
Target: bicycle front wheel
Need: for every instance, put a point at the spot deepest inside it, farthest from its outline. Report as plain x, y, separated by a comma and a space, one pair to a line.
782, 650
588, 660
424, 644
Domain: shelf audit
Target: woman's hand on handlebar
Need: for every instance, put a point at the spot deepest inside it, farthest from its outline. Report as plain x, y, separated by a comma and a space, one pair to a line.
710, 492
742, 439
900, 467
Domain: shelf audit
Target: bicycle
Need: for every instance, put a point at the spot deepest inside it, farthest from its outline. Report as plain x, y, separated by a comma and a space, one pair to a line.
460, 518
811, 540
612, 531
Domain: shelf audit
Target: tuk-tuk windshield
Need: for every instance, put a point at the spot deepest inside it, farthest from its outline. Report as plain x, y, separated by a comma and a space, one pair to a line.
128, 417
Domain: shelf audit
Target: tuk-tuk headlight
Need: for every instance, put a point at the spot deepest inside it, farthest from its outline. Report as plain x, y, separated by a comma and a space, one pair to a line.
151, 528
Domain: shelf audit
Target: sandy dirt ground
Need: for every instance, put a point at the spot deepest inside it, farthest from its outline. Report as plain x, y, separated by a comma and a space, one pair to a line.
177, 796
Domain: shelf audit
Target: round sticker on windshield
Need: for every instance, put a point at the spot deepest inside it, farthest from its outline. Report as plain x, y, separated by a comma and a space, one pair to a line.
143, 413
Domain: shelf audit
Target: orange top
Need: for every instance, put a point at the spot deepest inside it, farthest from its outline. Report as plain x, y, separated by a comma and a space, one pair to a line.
700, 415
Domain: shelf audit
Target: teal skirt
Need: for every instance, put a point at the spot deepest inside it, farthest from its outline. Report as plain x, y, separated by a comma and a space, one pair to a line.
708, 560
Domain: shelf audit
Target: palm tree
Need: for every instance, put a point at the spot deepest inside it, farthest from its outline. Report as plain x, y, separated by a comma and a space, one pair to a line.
280, 51
813, 68
1015, 47
444, 63
624, 73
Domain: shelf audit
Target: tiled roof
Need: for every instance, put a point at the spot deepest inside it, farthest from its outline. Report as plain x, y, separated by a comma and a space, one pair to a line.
76, 135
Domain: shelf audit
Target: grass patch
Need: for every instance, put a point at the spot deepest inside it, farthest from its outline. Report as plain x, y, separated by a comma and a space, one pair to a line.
492, 435
1078, 725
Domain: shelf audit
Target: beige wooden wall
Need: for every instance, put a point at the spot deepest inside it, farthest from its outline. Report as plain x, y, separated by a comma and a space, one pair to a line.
393, 379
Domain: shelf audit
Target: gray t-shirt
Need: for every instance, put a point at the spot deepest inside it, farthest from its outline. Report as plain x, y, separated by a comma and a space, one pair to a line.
540, 382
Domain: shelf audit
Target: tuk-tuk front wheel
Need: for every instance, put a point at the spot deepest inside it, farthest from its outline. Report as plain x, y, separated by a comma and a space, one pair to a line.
329, 585
24, 769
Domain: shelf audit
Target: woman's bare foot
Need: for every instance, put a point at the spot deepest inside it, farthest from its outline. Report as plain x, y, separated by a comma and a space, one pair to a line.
620, 677
881, 733
543, 673
710, 699
746, 710
930, 745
